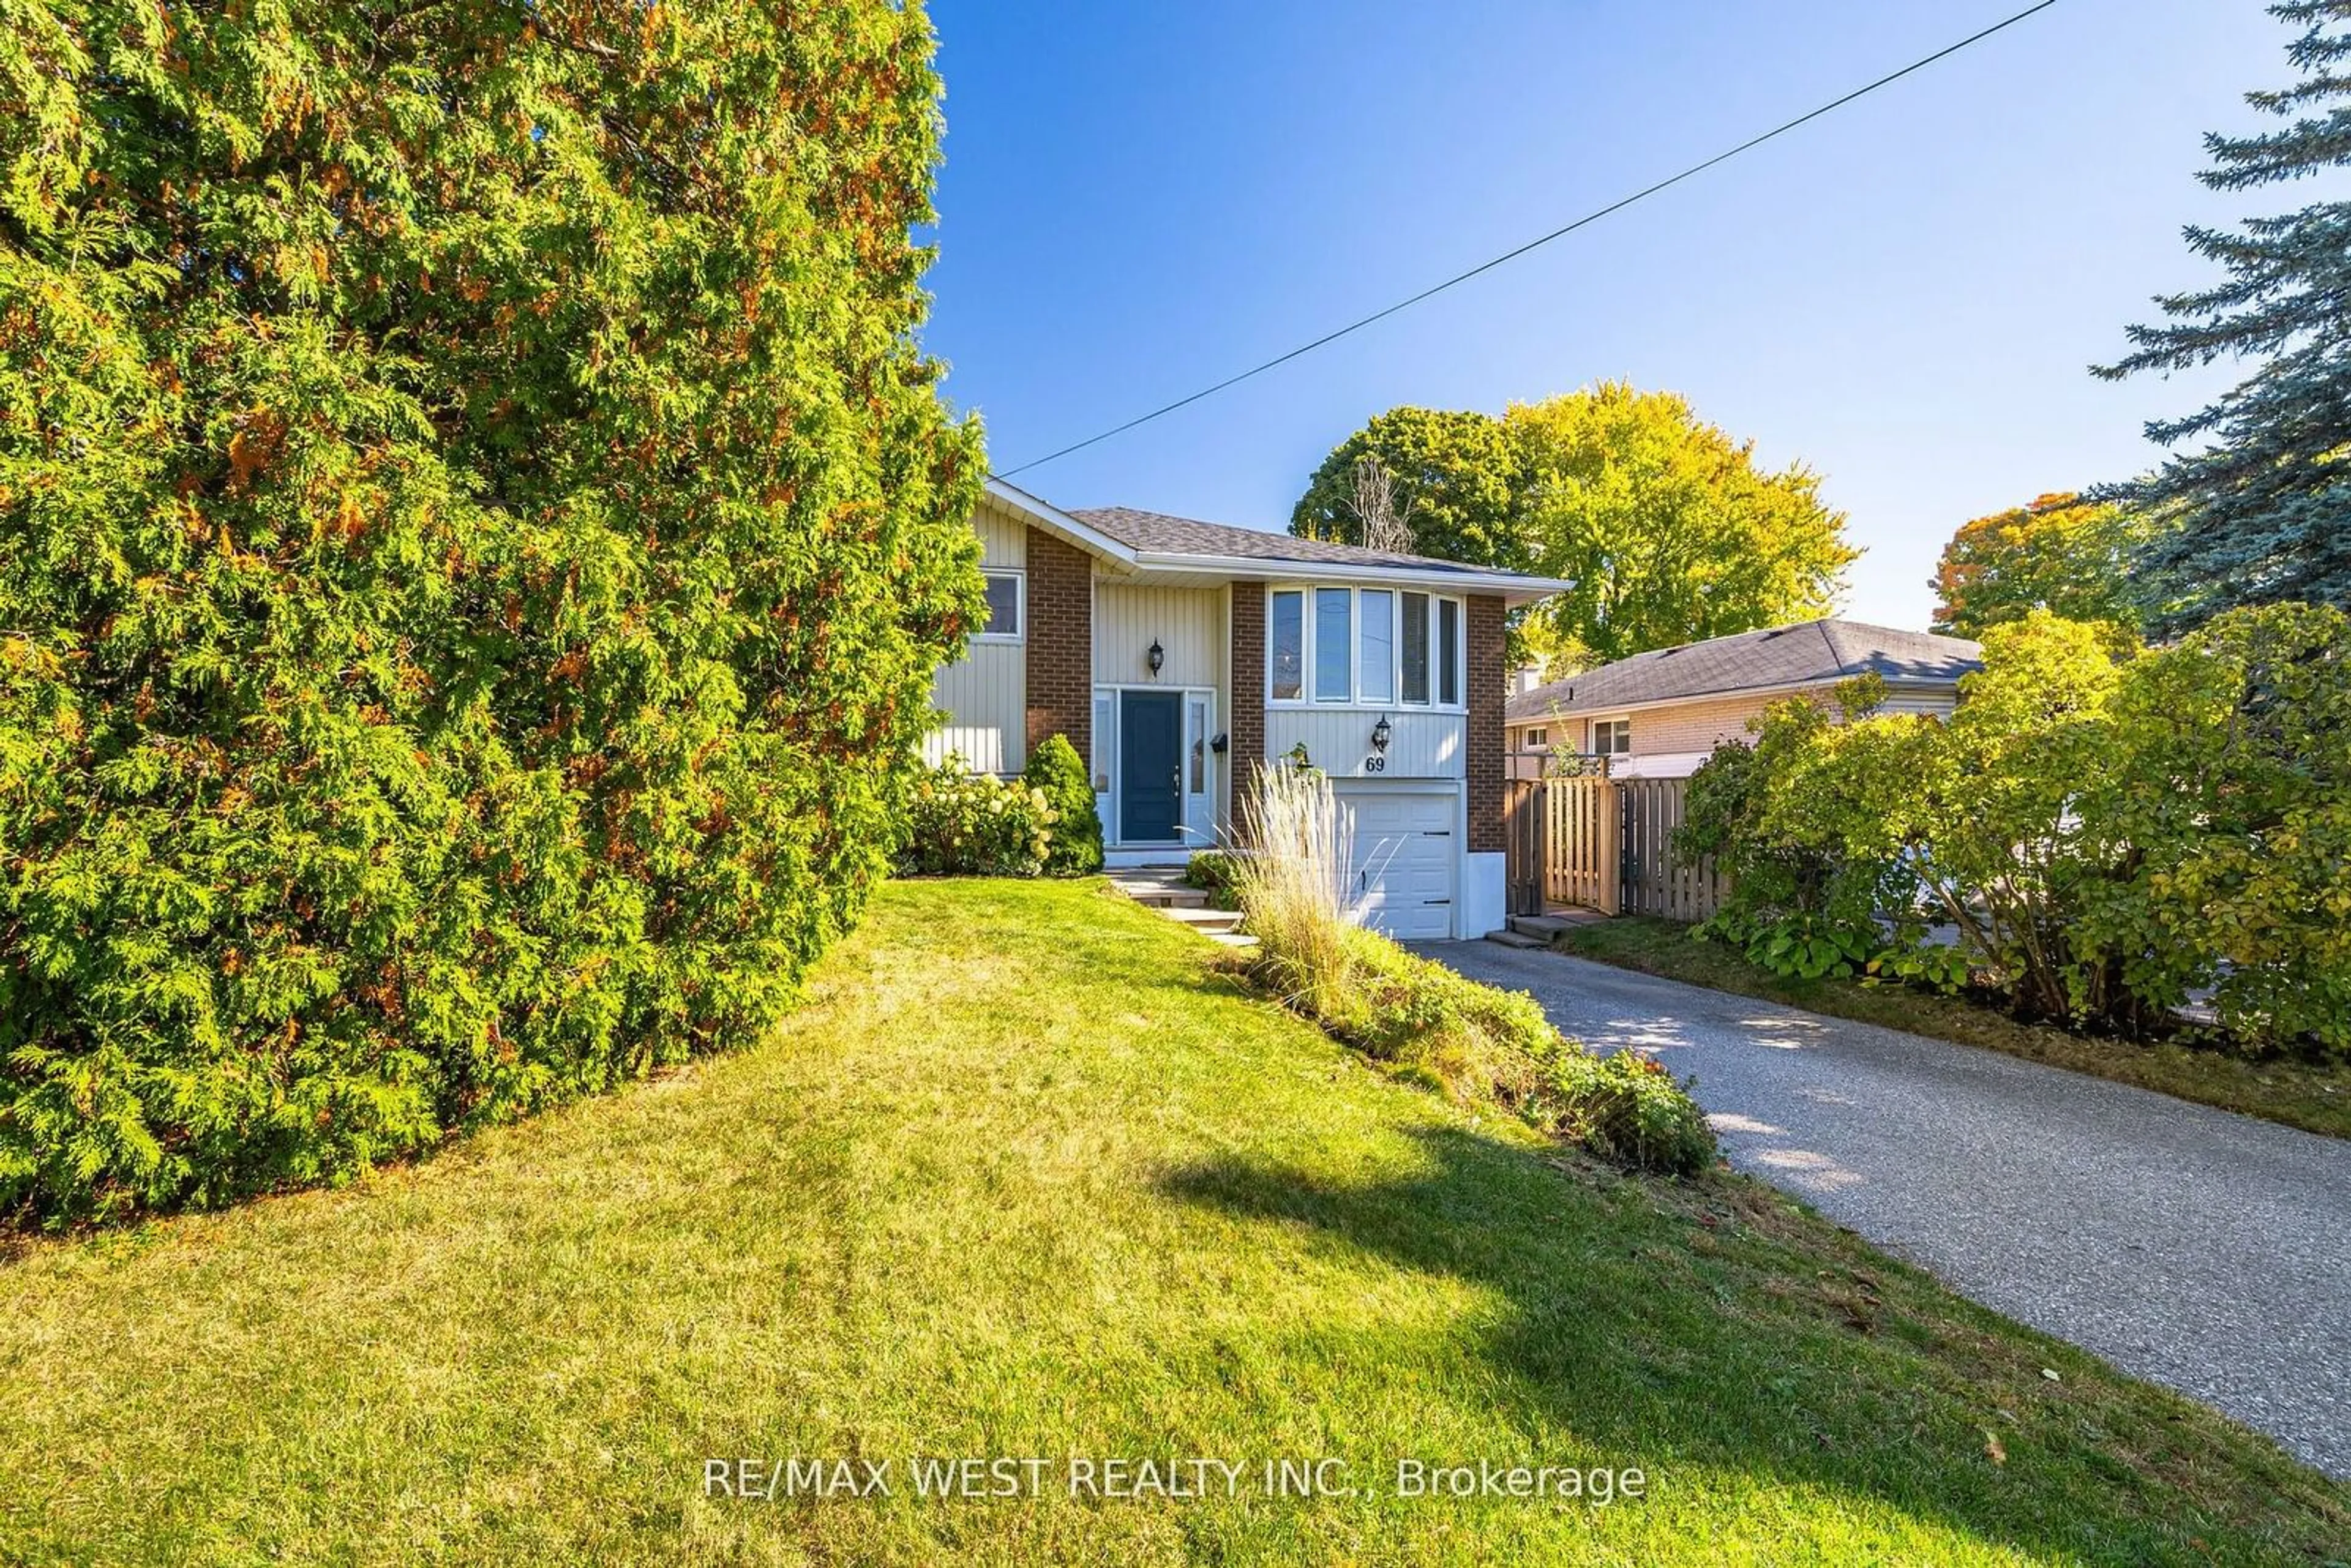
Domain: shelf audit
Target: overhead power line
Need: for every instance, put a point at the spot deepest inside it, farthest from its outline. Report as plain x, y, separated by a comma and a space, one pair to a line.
1592, 217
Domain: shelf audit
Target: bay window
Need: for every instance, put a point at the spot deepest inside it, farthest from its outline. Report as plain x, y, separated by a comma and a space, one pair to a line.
1365, 646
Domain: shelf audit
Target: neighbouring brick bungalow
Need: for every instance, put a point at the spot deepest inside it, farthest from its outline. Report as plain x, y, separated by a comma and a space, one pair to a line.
1177, 654
1658, 715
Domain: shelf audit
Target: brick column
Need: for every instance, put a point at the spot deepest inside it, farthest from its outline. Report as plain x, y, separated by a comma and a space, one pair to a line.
1490, 678
1246, 731
1060, 643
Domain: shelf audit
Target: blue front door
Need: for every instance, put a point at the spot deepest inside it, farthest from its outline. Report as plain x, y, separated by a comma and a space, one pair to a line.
1150, 766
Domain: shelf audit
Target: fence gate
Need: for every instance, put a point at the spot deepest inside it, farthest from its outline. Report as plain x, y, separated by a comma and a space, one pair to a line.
1523, 843
1655, 880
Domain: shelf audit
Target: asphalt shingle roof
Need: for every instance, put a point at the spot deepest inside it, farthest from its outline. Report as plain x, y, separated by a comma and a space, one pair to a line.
1184, 536
1810, 652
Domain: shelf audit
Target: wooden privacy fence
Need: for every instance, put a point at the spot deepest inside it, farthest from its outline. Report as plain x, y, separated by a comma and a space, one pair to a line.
1607, 845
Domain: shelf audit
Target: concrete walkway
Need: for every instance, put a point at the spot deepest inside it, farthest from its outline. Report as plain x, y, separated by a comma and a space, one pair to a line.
2201, 1250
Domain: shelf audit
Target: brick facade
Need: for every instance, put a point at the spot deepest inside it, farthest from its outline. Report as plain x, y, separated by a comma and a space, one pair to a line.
1488, 676
1060, 674
1246, 695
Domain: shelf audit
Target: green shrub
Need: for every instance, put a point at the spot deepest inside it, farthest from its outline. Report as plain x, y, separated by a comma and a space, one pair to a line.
1055, 768
2226, 800
961, 823
1931, 967
1801, 903
476, 532
2109, 831
1627, 1107
1216, 874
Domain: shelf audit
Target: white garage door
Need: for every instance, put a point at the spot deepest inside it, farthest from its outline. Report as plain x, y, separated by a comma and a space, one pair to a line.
1404, 859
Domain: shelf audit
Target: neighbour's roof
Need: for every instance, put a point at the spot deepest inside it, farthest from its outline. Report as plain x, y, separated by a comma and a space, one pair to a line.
1812, 652
1158, 532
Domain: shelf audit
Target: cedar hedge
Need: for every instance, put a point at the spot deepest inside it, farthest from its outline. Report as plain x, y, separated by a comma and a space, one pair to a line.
475, 531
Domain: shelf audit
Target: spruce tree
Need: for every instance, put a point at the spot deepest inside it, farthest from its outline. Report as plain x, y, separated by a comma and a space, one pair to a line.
2261, 509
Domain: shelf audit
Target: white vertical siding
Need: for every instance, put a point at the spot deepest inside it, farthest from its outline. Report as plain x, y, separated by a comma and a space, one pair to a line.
1338, 740
985, 693
1188, 624
1003, 536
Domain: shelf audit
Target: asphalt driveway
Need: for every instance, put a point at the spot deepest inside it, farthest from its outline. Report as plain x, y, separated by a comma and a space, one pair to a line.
2202, 1249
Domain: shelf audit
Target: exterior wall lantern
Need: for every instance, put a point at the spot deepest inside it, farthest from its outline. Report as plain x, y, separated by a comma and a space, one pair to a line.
1380, 733
1157, 656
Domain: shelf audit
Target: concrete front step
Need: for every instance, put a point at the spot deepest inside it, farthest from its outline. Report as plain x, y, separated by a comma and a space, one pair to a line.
1162, 889
1515, 939
1159, 888
1168, 898
1209, 920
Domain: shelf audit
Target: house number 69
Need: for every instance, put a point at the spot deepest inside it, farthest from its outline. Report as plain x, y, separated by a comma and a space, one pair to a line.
1376, 764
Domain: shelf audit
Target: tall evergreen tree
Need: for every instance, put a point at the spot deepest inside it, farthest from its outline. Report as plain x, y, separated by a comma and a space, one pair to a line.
2264, 509
476, 526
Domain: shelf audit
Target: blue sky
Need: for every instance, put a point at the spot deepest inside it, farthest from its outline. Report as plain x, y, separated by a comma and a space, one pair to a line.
1139, 199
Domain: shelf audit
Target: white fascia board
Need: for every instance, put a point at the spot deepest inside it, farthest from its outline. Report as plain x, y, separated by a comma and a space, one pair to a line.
1511, 587
1054, 520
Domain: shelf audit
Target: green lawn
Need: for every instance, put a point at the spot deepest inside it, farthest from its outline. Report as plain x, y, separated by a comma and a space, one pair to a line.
1028, 1177
2297, 1094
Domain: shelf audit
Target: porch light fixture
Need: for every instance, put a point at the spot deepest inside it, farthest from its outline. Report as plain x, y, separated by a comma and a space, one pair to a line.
1380, 733
1155, 657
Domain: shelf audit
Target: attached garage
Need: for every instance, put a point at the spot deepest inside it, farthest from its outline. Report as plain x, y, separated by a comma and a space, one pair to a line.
1405, 860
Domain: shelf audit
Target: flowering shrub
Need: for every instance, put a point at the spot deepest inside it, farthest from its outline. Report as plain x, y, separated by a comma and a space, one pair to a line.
961, 823
1056, 769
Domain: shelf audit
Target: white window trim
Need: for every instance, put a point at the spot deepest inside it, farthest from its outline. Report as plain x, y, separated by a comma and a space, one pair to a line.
1592, 740
1394, 703
1020, 605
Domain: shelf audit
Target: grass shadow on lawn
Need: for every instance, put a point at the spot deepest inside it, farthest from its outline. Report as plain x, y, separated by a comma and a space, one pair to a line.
1727, 1348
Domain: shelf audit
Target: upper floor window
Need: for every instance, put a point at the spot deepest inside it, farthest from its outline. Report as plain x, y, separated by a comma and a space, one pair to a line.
1375, 646
1414, 660
1334, 610
1612, 736
1286, 647
1007, 607
1449, 651
1368, 646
